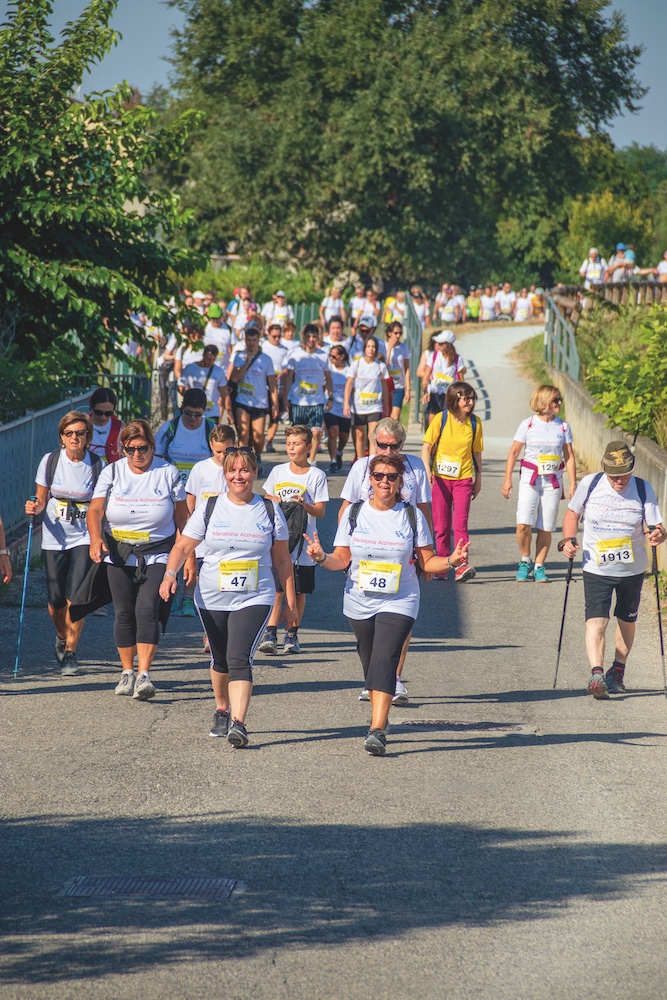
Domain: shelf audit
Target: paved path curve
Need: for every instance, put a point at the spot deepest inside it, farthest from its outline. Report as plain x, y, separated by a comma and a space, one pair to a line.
515, 847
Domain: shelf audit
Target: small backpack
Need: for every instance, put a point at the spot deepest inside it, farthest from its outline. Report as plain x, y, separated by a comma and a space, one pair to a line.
434, 448
270, 510
209, 424
96, 465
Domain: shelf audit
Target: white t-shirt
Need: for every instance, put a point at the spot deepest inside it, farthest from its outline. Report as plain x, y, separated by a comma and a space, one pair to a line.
662, 267
206, 480
241, 534
357, 306
488, 306
287, 485
522, 310
253, 389
385, 540
308, 385
395, 364
368, 378
613, 542
592, 271
449, 310
420, 309
332, 307
140, 505
416, 488
221, 337
189, 353
211, 380
544, 441
338, 381
100, 437
273, 313
277, 353
505, 302
239, 314
186, 447
71, 481
442, 373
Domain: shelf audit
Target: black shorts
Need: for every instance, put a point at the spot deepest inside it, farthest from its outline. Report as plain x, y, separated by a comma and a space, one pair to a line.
65, 570
364, 419
304, 580
436, 402
255, 411
343, 423
598, 591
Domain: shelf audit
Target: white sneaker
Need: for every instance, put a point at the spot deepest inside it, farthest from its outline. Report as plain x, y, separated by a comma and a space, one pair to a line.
143, 689
126, 683
400, 694
364, 696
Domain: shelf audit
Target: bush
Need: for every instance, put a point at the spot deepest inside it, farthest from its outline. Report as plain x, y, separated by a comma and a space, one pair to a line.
263, 279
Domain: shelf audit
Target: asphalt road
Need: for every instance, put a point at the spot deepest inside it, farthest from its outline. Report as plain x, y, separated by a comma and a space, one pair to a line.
511, 844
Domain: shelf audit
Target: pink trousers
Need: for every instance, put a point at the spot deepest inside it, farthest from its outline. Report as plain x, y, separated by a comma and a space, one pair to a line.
451, 506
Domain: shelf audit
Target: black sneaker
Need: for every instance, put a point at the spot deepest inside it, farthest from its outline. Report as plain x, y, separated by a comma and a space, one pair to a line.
597, 685
237, 735
333, 467
61, 646
376, 742
269, 448
221, 721
339, 460
70, 667
614, 678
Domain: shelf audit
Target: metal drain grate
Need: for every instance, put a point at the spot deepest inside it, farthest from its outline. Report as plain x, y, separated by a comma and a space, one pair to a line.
191, 887
463, 727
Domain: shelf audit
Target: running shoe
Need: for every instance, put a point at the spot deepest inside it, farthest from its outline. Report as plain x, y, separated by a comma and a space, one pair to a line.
269, 643
188, 607
339, 460
61, 646
237, 735
269, 448
364, 696
597, 686
525, 570
333, 467
291, 643
260, 470
539, 575
400, 694
143, 688
126, 683
376, 742
464, 572
221, 721
614, 679
70, 667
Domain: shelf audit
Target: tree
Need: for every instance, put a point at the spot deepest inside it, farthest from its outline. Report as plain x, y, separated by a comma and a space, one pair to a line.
83, 238
392, 136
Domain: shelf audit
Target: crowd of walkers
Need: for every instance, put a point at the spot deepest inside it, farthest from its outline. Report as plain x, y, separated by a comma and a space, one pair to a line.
135, 518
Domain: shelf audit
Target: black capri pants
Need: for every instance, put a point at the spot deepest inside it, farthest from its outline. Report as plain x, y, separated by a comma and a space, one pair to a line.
65, 571
136, 603
234, 637
380, 641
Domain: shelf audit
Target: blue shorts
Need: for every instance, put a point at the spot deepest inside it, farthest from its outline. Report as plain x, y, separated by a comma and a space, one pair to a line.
397, 397
308, 416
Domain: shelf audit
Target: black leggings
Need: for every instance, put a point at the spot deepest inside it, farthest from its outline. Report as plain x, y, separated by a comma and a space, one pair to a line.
234, 636
380, 641
136, 604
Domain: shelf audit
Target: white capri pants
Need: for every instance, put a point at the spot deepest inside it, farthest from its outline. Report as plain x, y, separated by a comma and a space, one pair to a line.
538, 505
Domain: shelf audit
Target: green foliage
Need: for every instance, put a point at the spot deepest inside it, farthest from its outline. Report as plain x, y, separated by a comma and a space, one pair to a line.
83, 234
629, 378
602, 220
42, 382
393, 137
263, 279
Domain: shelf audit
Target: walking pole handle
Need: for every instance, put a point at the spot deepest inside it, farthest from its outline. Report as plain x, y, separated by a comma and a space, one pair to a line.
570, 567
32, 499
654, 552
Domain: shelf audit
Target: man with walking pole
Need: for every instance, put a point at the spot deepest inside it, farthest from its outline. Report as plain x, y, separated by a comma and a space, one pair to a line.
614, 505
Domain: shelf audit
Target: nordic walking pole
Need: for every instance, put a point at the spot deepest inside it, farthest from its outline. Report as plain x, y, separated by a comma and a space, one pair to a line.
31, 528
654, 570
568, 579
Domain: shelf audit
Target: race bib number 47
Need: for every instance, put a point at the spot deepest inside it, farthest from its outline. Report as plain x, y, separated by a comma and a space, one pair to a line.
379, 577
237, 576
613, 551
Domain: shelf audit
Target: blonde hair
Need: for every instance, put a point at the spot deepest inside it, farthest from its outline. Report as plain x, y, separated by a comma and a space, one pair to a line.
247, 456
542, 397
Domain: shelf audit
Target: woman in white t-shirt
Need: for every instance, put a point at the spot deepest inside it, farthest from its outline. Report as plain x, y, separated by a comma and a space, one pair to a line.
244, 540
523, 307
487, 305
376, 544
420, 303
398, 366
138, 507
335, 421
440, 371
64, 487
366, 395
332, 305
546, 442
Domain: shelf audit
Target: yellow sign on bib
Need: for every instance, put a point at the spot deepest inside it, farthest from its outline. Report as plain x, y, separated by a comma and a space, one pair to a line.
308, 388
369, 399
449, 467
289, 491
379, 577
184, 470
612, 551
548, 464
442, 380
395, 372
246, 388
238, 576
134, 537
207, 496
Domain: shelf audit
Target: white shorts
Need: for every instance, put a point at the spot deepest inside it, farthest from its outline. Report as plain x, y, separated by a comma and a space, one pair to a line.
538, 505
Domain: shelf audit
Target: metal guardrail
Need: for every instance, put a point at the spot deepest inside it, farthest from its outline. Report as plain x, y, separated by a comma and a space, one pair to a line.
413, 336
560, 343
23, 442
133, 391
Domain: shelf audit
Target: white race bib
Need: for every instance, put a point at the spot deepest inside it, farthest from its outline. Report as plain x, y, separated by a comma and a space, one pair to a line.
379, 577
133, 537
442, 381
446, 466
184, 470
247, 388
238, 576
369, 400
308, 388
547, 465
612, 551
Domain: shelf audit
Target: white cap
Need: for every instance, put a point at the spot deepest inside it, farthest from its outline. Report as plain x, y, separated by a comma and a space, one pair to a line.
444, 337
198, 295
369, 321
281, 293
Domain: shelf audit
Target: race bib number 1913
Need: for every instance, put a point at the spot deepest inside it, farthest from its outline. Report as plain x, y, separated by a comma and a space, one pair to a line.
612, 551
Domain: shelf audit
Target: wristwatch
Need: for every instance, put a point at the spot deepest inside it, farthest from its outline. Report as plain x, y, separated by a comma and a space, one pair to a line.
563, 542
4, 552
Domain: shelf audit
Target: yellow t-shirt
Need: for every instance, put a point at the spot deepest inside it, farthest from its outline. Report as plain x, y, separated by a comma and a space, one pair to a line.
453, 459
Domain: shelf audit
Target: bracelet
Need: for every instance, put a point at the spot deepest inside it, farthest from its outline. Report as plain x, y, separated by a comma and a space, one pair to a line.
4, 552
171, 572
563, 542
322, 561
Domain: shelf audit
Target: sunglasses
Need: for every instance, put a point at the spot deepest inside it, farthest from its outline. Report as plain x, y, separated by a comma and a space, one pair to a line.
386, 445
102, 413
557, 400
390, 476
240, 450
193, 414
78, 434
141, 448
466, 399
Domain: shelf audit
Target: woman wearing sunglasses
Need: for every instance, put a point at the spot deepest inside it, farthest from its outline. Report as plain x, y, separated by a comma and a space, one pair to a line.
245, 536
106, 425
64, 487
546, 442
398, 366
144, 501
376, 543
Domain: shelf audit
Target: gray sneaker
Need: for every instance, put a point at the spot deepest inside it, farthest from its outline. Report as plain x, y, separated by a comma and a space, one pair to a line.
364, 696
70, 667
126, 683
376, 742
60, 649
269, 643
291, 643
237, 735
143, 688
221, 721
400, 693
597, 686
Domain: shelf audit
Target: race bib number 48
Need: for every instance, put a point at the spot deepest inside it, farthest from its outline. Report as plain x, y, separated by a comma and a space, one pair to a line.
613, 551
379, 577
237, 576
